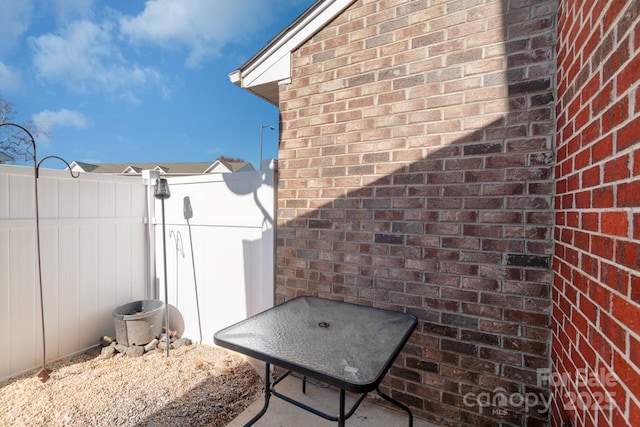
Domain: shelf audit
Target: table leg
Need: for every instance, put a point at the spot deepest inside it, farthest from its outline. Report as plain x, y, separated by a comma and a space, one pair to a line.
267, 395
398, 404
341, 417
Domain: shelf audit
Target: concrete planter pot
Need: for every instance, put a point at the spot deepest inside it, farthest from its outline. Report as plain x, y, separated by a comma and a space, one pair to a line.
138, 322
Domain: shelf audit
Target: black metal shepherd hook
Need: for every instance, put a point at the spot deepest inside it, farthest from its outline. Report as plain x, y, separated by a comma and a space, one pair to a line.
44, 373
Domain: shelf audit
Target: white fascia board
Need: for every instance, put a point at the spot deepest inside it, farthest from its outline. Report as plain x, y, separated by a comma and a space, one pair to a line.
235, 77
211, 167
274, 64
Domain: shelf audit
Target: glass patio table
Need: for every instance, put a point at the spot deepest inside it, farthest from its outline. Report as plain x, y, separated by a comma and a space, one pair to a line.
344, 345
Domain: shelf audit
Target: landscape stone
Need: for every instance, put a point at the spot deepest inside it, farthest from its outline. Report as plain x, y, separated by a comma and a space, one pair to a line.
152, 345
107, 352
135, 351
106, 341
182, 342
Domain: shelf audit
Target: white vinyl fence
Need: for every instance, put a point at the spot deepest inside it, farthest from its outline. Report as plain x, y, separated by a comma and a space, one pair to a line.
220, 249
99, 251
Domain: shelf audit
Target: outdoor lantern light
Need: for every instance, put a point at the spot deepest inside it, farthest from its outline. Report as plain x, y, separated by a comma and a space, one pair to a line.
162, 192
162, 189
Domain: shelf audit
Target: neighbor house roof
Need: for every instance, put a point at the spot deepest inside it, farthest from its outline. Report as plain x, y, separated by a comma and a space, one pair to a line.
271, 66
175, 169
5, 158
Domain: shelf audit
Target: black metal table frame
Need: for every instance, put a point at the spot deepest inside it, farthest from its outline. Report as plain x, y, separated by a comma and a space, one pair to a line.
269, 389
306, 372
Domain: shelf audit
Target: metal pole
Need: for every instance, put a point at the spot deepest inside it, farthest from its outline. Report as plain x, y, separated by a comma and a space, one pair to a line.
44, 373
166, 287
262, 126
261, 131
187, 211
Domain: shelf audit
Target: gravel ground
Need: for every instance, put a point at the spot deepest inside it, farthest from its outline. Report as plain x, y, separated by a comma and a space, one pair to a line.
198, 385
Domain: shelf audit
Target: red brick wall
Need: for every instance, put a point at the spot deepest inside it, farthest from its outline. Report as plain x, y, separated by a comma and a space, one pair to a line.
416, 174
596, 293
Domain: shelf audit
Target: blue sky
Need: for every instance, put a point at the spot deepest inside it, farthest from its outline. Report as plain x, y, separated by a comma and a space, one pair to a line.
140, 81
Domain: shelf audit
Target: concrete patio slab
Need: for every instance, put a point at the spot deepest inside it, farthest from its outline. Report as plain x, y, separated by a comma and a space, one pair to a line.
284, 414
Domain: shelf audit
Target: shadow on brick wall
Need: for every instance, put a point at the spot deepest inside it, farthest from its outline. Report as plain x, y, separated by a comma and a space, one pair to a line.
461, 237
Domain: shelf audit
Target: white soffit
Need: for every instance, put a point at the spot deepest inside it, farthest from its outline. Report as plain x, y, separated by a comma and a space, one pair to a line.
262, 73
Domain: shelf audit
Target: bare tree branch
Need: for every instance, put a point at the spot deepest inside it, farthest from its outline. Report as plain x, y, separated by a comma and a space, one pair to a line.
13, 141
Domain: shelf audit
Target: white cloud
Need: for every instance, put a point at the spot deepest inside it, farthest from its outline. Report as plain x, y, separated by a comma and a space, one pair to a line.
202, 26
70, 9
62, 118
84, 57
10, 78
15, 18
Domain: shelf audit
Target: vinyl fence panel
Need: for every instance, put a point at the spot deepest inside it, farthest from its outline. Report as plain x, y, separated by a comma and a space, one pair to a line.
220, 258
101, 247
92, 235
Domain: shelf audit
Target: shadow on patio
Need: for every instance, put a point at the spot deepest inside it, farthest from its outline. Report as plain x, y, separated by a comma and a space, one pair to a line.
281, 413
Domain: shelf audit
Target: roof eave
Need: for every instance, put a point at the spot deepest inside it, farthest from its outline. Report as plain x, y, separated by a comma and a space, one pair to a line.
263, 73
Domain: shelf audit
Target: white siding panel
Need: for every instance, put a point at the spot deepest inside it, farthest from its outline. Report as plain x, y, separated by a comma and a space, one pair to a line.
138, 263
106, 273
4, 196
88, 199
69, 194
50, 292
123, 263
21, 196
69, 320
48, 199
5, 298
107, 199
24, 316
88, 291
123, 196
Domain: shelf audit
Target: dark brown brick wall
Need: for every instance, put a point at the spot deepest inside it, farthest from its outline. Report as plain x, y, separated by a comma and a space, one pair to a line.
416, 174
